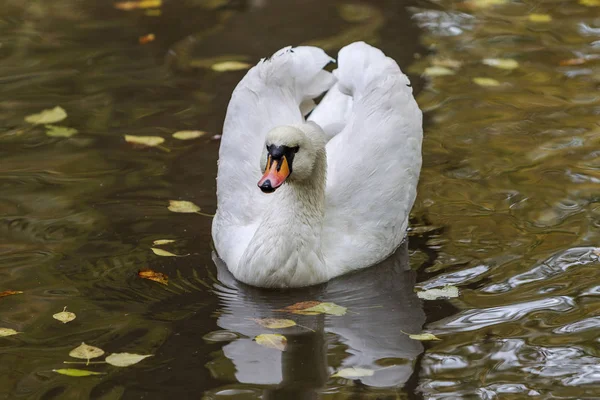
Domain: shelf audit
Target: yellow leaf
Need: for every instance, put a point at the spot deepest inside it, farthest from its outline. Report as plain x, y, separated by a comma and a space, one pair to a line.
438, 71
133, 5
446, 62
164, 253
60, 131
353, 372
158, 242
230, 66
272, 340
356, 12
76, 372
188, 135
125, 359
424, 336
144, 140
7, 332
86, 352
64, 316
10, 293
154, 276
590, 3
447, 291
503, 63
48, 116
486, 82
274, 323
327, 308
486, 3
540, 18
180, 206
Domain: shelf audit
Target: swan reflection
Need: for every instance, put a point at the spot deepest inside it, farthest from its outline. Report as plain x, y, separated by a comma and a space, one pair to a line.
381, 305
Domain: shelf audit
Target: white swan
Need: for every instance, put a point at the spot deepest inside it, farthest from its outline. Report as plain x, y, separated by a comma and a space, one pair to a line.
344, 182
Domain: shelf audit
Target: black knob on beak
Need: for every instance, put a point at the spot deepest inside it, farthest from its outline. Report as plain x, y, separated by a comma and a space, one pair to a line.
266, 187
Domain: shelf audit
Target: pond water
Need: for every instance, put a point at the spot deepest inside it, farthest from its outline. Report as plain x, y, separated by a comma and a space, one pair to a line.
508, 208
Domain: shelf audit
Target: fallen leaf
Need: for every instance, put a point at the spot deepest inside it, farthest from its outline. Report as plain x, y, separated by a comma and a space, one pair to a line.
503, 63
10, 293
486, 82
485, 3
356, 12
153, 13
76, 372
181, 206
144, 140
299, 308
272, 340
424, 336
147, 38
274, 323
158, 242
64, 316
539, 18
327, 308
438, 71
446, 62
590, 3
188, 135
133, 5
48, 116
353, 372
86, 352
7, 332
230, 66
164, 253
434, 294
60, 131
154, 276
573, 61
125, 359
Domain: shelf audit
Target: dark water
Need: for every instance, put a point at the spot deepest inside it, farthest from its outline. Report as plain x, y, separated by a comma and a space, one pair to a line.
508, 207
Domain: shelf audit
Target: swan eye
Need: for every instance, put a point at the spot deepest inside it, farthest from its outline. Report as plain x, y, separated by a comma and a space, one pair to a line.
295, 149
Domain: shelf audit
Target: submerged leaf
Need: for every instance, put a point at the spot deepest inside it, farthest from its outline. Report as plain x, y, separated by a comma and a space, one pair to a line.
434, 294
353, 372
76, 372
230, 66
274, 323
86, 352
154, 276
48, 116
424, 336
180, 206
64, 316
540, 18
188, 135
438, 71
164, 253
158, 242
10, 293
503, 63
60, 131
125, 359
150, 141
272, 340
486, 82
7, 332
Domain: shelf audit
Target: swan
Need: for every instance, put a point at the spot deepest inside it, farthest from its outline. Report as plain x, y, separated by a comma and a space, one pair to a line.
303, 200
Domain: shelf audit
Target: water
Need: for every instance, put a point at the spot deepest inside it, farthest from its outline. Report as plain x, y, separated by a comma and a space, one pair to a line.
507, 207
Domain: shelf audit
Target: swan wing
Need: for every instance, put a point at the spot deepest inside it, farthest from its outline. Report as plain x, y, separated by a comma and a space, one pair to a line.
373, 162
270, 95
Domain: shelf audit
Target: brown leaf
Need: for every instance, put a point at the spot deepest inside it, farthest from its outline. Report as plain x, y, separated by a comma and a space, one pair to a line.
10, 293
572, 61
300, 306
147, 38
154, 276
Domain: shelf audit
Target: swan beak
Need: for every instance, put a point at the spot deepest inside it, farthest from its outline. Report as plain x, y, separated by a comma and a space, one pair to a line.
275, 174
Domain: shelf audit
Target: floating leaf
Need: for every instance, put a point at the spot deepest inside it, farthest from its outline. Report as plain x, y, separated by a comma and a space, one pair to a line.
327, 308
434, 294
48, 116
446, 62
7, 332
485, 3
272, 340
539, 18
180, 206
86, 352
10, 293
503, 63
590, 3
353, 372
572, 61
230, 66
438, 71
164, 253
76, 372
154, 276
125, 359
299, 308
60, 131
486, 82
133, 5
188, 135
274, 323
150, 141
147, 38
424, 336
64, 316
158, 242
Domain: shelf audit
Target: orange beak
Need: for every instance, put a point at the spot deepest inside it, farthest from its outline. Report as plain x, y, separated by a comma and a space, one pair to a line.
275, 174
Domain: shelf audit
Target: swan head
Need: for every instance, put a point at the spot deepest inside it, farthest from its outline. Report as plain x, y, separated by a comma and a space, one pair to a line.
289, 155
